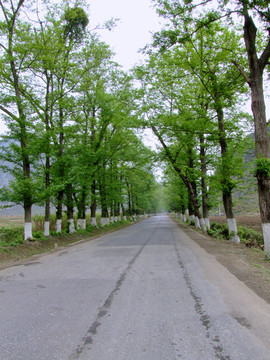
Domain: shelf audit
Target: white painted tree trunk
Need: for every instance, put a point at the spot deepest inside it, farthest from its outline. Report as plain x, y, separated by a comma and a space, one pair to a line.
207, 223
125, 218
83, 224
58, 225
71, 226
233, 233
46, 228
197, 222
79, 224
28, 231
184, 218
266, 239
93, 221
192, 218
202, 224
187, 214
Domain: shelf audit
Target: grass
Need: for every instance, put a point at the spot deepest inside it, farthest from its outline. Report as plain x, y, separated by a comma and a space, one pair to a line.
14, 248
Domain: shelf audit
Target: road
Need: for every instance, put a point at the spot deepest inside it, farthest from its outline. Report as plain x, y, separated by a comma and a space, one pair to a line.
146, 292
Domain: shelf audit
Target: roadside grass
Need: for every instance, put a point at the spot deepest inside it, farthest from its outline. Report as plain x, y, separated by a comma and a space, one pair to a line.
13, 248
248, 236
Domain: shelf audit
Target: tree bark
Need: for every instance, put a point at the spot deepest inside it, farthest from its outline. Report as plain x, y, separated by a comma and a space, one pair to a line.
205, 201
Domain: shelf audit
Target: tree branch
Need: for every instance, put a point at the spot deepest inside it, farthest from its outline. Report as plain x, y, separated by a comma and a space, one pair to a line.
8, 113
242, 71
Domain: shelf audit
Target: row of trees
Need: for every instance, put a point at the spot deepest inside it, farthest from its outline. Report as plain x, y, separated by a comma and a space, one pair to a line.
197, 74
69, 111
73, 114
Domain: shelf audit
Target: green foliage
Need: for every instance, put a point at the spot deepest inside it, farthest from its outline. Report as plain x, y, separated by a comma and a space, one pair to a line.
219, 231
262, 168
39, 235
250, 237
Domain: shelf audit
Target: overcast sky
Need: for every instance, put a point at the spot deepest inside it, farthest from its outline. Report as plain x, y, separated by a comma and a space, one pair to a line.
137, 19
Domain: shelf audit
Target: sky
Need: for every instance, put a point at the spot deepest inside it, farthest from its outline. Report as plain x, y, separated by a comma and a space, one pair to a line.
137, 20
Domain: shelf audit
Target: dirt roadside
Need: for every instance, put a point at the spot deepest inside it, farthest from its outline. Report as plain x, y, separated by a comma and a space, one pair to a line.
247, 264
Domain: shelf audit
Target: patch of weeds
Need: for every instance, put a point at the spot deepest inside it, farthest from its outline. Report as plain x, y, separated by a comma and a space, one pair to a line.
219, 231
11, 236
250, 237
39, 235
82, 232
210, 232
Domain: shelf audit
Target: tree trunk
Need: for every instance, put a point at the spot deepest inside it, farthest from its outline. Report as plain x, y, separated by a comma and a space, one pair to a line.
47, 203
93, 206
81, 205
225, 176
61, 172
48, 150
205, 206
28, 222
59, 211
70, 208
255, 82
23, 137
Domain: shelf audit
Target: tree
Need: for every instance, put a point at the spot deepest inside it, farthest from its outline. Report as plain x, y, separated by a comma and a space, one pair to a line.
13, 104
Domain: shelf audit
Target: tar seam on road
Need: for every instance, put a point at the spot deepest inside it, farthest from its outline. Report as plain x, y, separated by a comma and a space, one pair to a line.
204, 317
88, 338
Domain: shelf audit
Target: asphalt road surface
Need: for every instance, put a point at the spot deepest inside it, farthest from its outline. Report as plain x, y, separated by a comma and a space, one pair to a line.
146, 292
